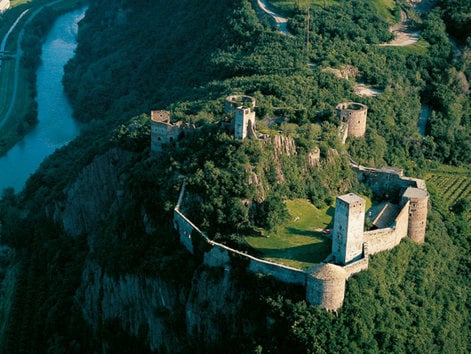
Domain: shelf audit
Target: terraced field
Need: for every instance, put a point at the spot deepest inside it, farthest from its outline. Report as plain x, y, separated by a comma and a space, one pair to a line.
450, 185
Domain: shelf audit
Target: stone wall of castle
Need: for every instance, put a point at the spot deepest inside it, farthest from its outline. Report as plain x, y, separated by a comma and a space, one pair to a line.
356, 267
163, 132
387, 181
219, 254
387, 238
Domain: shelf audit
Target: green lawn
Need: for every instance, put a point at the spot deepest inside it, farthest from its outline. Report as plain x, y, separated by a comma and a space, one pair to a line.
299, 243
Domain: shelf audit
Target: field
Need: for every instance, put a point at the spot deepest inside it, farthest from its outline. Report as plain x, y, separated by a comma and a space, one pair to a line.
299, 243
449, 184
384, 8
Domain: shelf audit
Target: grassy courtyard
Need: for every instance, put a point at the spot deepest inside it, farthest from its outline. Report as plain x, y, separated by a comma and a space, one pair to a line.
299, 243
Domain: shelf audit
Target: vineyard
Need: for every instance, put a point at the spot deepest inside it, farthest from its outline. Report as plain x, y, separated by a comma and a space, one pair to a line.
448, 186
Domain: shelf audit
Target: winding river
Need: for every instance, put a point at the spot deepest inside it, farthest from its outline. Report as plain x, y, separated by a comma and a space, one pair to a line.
56, 126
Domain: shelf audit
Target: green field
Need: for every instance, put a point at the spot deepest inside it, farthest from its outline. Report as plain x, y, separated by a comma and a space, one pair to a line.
299, 243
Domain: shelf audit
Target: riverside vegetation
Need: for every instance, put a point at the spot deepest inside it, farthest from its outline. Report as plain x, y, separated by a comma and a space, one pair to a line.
411, 299
23, 116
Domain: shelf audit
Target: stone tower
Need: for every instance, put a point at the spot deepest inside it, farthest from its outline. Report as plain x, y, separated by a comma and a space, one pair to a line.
354, 115
325, 286
159, 124
242, 108
165, 133
347, 235
418, 207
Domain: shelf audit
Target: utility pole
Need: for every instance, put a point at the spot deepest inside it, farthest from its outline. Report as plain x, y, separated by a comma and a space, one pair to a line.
308, 20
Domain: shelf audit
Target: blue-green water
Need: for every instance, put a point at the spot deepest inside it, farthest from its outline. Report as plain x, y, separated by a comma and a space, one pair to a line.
56, 126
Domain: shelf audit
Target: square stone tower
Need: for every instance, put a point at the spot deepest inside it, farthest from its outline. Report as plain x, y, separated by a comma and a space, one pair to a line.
347, 235
244, 122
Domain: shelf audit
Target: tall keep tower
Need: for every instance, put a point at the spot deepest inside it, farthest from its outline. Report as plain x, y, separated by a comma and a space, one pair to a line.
354, 115
347, 235
418, 206
244, 115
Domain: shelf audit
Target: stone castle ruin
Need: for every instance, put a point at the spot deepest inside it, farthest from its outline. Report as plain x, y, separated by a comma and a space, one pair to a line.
163, 132
351, 245
240, 109
325, 283
402, 214
353, 119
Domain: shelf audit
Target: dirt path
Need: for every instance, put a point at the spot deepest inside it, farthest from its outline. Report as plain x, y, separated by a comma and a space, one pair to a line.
281, 22
403, 36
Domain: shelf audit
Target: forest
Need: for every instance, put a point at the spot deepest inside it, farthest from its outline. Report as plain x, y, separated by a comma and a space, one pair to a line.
187, 57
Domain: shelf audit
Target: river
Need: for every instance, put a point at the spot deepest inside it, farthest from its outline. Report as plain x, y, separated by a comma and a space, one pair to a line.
56, 127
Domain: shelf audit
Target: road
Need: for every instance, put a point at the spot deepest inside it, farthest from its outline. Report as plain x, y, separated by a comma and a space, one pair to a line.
281, 22
17, 57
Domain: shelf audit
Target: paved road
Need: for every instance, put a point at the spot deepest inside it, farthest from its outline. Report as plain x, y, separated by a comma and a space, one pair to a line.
4, 119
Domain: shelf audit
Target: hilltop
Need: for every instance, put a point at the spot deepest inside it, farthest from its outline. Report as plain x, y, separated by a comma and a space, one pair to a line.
89, 243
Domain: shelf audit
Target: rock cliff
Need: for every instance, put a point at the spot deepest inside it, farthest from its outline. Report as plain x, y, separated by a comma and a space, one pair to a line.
167, 313
94, 193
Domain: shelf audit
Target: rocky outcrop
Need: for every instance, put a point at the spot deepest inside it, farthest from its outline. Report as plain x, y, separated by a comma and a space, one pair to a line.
313, 157
284, 145
138, 302
95, 191
213, 305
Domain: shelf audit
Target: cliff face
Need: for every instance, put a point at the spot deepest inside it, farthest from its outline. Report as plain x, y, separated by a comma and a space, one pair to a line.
94, 193
141, 304
166, 313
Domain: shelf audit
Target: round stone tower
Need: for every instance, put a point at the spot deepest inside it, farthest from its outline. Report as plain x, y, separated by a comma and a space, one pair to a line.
418, 207
326, 286
354, 115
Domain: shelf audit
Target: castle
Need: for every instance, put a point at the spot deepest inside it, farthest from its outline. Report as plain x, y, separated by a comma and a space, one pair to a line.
238, 108
242, 115
404, 214
163, 132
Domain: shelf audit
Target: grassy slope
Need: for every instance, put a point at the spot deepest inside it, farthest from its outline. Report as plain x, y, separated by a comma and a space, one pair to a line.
299, 243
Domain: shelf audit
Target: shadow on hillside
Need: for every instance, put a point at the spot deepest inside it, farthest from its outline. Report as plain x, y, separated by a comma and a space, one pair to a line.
311, 253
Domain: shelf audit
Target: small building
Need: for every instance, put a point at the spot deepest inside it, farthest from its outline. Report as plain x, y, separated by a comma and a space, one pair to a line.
241, 109
163, 132
353, 118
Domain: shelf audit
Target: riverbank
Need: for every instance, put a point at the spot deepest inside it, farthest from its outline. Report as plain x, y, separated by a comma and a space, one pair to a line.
20, 61
56, 125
